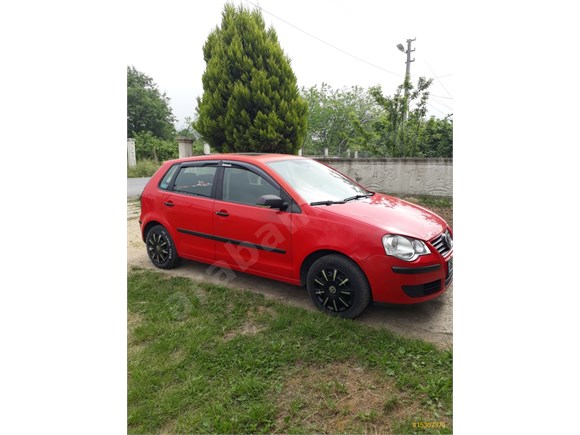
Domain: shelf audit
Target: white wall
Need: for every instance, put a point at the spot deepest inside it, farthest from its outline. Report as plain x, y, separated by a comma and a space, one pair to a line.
399, 176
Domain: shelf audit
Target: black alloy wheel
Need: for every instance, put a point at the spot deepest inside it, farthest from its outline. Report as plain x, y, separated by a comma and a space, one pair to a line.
160, 248
338, 287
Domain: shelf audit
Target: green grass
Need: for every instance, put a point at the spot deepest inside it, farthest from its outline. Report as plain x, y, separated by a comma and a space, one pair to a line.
431, 201
144, 168
204, 358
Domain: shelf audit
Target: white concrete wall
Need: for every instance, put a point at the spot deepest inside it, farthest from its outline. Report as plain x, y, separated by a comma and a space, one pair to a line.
399, 176
185, 148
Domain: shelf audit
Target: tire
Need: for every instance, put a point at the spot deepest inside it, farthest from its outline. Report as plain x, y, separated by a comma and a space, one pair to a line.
160, 248
338, 287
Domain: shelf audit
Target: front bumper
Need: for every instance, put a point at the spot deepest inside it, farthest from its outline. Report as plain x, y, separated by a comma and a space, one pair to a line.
399, 282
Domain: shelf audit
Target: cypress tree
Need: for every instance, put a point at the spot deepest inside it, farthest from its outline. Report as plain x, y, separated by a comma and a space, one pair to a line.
251, 101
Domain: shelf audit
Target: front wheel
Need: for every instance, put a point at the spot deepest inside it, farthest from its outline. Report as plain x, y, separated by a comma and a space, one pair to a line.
338, 286
160, 248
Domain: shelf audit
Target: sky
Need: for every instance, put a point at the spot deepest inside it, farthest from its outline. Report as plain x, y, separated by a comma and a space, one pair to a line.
339, 42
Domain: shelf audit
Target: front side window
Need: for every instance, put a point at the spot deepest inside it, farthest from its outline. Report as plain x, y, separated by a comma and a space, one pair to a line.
245, 187
195, 180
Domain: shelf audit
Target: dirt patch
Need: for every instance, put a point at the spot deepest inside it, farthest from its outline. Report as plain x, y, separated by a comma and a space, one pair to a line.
343, 397
261, 312
177, 355
133, 209
247, 328
133, 320
252, 325
264, 310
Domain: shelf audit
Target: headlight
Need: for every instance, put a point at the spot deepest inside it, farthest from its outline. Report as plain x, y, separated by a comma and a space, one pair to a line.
405, 248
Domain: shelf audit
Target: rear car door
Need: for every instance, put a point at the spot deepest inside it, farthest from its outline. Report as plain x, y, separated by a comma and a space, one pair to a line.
250, 237
188, 207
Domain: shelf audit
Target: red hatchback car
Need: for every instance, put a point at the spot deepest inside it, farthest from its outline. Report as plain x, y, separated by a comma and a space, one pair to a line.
296, 220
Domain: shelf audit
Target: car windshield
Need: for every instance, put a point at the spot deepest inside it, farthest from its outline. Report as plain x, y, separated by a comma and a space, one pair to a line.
316, 182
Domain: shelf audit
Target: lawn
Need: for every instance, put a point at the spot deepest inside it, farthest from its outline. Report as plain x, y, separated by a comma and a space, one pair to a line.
204, 358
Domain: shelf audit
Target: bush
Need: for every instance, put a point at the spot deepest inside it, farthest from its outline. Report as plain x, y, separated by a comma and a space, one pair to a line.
150, 147
144, 168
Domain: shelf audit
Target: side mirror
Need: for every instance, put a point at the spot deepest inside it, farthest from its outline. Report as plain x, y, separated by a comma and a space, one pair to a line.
272, 201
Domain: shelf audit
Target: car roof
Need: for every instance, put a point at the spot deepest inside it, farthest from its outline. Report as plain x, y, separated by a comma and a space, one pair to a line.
242, 157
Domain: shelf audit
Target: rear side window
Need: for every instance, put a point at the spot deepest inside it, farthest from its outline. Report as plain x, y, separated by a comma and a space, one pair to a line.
166, 181
195, 180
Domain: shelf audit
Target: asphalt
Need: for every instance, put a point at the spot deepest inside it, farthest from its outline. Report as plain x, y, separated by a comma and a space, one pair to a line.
135, 186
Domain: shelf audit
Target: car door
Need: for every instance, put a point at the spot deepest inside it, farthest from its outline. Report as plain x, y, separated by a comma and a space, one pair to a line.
250, 237
188, 207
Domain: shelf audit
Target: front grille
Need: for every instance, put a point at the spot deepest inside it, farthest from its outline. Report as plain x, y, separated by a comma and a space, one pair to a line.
417, 291
432, 287
440, 244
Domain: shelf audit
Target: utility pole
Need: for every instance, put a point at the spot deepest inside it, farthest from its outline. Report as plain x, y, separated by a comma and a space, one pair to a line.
407, 73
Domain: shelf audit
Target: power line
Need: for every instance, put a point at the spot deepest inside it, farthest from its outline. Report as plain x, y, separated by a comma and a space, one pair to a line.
440, 102
324, 42
354, 56
443, 86
441, 96
443, 113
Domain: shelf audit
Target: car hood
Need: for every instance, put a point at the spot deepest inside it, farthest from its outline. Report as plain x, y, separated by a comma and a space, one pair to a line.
393, 215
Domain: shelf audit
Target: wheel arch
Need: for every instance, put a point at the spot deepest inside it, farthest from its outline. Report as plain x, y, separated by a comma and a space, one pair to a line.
150, 225
313, 256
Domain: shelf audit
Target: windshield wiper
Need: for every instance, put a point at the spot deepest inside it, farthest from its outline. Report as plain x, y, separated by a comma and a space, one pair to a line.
327, 202
366, 195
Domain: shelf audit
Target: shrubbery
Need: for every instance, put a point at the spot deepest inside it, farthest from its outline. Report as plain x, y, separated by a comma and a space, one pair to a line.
144, 168
150, 147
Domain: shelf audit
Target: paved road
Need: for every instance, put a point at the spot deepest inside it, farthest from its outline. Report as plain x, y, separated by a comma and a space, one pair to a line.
135, 186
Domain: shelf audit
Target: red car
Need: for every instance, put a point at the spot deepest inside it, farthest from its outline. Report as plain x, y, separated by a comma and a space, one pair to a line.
296, 220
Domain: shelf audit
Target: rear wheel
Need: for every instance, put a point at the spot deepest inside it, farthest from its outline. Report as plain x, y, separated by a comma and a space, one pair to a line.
160, 248
338, 286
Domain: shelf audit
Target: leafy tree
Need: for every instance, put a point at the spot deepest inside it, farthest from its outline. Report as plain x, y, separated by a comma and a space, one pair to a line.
250, 100
391, 135
148, 109
437, 138
330, 118
395, 137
